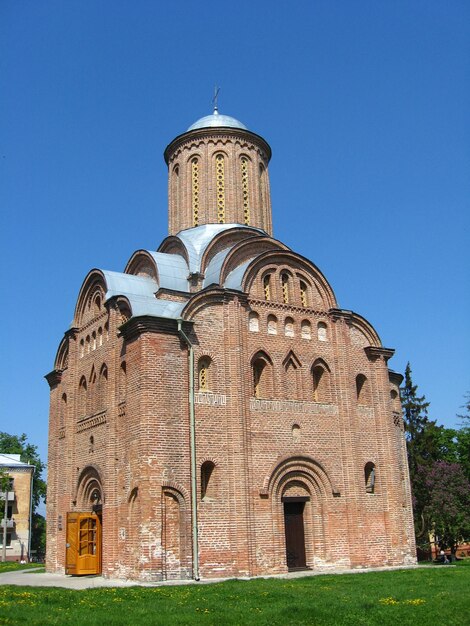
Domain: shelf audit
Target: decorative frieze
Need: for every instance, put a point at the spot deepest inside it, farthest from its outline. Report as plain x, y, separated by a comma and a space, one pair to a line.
292, 406
91, 422
212, 399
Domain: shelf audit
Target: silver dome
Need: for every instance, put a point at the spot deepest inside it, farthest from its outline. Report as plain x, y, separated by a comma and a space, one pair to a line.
216, 120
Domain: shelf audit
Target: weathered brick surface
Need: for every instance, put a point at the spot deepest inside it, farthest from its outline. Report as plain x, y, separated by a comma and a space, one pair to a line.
129, 437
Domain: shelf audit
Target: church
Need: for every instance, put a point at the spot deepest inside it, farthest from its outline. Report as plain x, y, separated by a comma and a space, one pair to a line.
214, 412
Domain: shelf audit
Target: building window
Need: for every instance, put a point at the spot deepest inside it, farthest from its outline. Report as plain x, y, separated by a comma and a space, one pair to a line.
195, 190
93, 340
203, 373
369, 477
306, 329
321, 381
267, 287
176, 188
82, 347
8, 542
253, 322
82, 394
362, 390
303, 294
321, 331
207, 480
289, 327
285, 288
272, 325
261, 371
296, 433
246, 204
122, 382
220, 187
100, 336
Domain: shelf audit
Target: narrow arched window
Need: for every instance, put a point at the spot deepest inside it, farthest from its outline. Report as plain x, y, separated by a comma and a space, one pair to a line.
82, 395
306, 329
207, 480
88, 344
253, 322
369, 477
92, 395
285, 288
303, 294
175, 188
220, 187
100, 336
258, 369
82, 347
102, 387
362, 390
272, 325
267, 287
289, 327
203, 373
63, 410
122, 381
244, 164
296, 433
321, 382
93, 340
321, 331
195, 190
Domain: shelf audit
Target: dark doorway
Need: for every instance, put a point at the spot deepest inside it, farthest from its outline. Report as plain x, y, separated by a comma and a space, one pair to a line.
295, 537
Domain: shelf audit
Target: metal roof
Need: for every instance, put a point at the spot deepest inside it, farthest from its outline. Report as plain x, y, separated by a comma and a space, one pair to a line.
197, 239
216, 120
172, 271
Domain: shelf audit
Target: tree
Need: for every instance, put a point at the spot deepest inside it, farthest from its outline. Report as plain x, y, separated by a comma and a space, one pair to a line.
423, 444
18, 444
447, 506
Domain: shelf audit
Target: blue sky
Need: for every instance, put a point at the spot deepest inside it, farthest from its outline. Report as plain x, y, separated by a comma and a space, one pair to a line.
365, 105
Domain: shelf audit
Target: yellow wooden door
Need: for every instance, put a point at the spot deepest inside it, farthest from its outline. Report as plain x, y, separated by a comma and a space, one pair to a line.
71, 544
83, 544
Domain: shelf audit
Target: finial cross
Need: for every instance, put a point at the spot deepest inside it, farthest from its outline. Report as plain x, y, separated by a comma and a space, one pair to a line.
215, 99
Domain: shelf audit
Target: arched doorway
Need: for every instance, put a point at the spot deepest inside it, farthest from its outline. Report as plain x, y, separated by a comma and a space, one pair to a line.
301, 495
295, 496
84, 527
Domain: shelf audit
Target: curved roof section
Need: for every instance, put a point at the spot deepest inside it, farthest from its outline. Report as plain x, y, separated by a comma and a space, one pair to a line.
172, 271
140, 292
216, 120
196, 240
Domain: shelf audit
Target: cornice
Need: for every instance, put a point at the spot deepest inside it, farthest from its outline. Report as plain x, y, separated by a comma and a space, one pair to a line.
54, 378
220, 132
148, 324
395, 377
374, 353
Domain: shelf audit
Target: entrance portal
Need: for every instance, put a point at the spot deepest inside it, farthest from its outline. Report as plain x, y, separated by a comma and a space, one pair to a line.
295, 536
83, 544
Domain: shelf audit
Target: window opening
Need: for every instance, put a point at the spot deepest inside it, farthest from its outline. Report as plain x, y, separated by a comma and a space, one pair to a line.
207, 482
303, 294
285, 288
246, 205
195, 190
369, 477
267, 287
220, 186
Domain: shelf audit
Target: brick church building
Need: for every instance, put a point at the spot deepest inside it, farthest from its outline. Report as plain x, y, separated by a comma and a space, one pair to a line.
214, 412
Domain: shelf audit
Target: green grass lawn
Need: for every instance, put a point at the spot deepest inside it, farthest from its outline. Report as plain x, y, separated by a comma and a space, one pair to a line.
437, 595
12, 566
